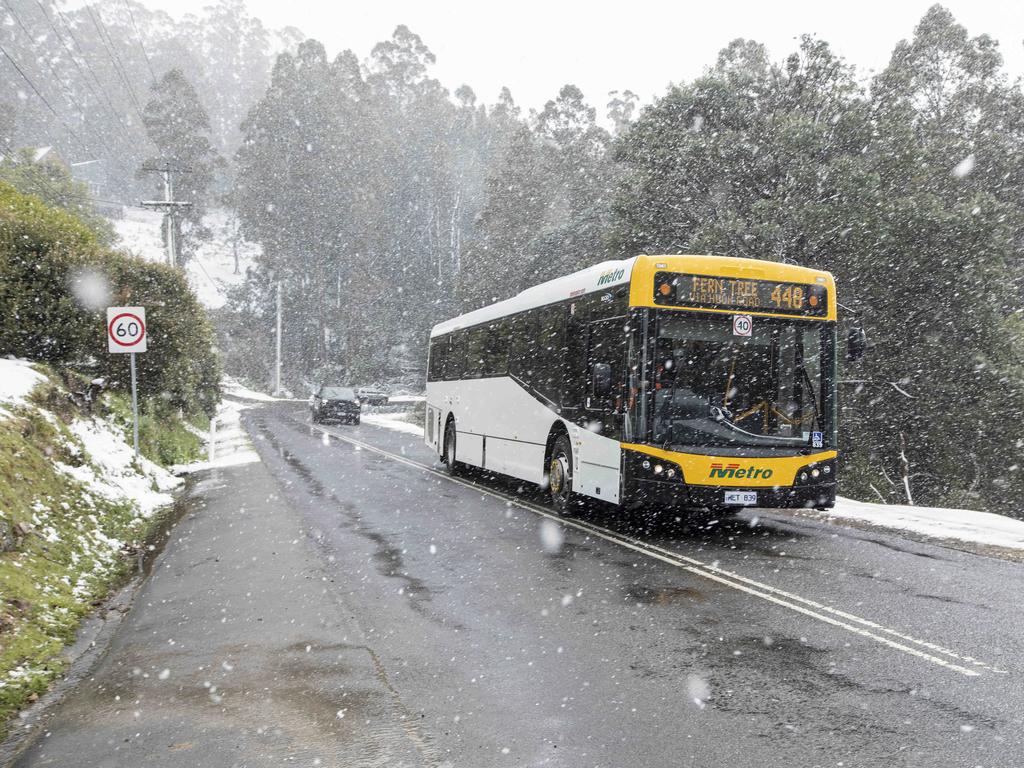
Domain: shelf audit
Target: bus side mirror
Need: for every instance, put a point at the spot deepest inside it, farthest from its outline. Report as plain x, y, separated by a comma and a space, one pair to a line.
856, 343
602, 379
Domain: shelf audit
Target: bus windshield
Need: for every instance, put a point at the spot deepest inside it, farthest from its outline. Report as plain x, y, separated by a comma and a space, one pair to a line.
717, 388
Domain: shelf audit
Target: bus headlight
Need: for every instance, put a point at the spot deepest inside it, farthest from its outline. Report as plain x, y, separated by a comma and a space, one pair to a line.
639, 466
818, 472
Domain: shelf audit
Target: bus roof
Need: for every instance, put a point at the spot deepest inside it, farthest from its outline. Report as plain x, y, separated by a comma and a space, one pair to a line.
609, 274
599, 277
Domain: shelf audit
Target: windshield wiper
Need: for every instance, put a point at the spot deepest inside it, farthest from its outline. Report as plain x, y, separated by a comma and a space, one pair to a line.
814, 397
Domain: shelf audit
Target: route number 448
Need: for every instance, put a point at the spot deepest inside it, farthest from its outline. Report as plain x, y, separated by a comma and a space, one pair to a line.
788, 297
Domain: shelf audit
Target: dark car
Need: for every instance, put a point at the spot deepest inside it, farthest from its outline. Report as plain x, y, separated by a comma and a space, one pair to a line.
372, 396
335, 404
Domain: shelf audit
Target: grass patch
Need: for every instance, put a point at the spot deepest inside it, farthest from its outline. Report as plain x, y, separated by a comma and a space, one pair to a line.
164, 437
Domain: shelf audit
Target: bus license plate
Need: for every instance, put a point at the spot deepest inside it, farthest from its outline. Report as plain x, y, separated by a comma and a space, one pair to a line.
744, 498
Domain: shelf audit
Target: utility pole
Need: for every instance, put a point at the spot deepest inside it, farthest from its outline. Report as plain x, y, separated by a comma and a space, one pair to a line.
168, 205
277, 368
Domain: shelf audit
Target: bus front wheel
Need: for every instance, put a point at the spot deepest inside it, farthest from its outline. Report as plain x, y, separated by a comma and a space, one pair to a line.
560, 474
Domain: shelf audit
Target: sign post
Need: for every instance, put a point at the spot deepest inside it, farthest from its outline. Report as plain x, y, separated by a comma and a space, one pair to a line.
126, 333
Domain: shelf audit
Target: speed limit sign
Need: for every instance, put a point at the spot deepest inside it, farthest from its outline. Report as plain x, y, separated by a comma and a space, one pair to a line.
126, 329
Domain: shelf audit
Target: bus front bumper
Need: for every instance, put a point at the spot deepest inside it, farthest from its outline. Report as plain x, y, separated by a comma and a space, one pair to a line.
660, 479
682, 496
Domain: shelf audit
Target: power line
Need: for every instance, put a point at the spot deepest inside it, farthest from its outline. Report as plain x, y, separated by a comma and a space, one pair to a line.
108, 44
85, 59
42, 98
199, 263
70, 96
105, 100
139, 38
66, 197
63, 198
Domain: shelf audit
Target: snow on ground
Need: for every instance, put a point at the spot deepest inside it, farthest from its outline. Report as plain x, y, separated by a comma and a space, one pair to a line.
231, 445
233, 388
395, 421
405, 399
17, 379
960, 524
110, 471
212, 271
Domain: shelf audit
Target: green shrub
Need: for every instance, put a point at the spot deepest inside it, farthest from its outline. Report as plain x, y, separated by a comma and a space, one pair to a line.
43, 251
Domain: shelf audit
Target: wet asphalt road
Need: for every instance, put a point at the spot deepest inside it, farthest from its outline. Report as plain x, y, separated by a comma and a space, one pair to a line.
338, 605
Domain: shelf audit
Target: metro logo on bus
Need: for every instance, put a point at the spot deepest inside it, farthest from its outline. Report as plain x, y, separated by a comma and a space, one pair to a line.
734, 471
611, 276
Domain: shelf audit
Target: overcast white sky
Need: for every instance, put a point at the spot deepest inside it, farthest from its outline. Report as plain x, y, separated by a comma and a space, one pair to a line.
535, 46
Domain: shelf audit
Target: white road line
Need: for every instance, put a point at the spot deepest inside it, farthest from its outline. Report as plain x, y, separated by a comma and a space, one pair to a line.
813, 609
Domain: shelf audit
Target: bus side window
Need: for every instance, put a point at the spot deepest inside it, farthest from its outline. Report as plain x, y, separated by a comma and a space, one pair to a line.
495, 352
475, 366
550, 352
523, 348
455, 369
574, 382
438, 353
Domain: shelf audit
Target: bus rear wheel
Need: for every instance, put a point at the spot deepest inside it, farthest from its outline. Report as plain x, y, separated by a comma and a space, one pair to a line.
449, 448
560, 475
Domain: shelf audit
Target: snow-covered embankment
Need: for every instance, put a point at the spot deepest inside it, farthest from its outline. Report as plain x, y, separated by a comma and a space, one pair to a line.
74, 503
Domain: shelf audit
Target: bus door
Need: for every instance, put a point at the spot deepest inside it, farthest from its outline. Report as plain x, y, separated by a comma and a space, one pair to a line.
597, 473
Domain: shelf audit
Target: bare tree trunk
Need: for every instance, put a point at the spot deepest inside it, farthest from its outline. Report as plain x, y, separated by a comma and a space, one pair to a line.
905, 463
234, 242
456, 234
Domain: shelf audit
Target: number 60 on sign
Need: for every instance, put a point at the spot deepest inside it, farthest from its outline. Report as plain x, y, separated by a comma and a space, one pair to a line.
126, 329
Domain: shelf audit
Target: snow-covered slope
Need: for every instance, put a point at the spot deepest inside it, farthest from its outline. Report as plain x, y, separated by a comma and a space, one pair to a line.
17, 380
212, 272
75, 508
103, 462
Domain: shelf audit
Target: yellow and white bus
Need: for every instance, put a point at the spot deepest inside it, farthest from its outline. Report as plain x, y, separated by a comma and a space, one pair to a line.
691, 381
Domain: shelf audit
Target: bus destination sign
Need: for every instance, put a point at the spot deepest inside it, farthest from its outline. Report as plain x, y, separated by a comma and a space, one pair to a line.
679, 290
